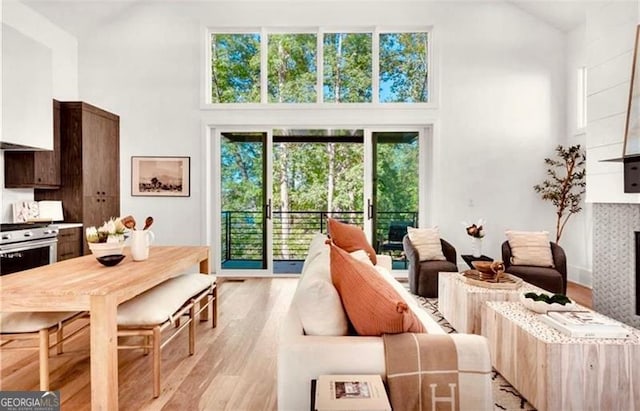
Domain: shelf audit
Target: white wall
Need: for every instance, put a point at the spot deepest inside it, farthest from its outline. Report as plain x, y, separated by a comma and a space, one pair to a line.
64, 68
610, 37
501, 104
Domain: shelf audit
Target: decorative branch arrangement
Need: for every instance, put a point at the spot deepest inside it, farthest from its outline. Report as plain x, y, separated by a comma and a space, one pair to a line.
565, 185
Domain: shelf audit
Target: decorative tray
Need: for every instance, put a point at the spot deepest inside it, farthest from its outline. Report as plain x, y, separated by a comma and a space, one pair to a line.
506, 281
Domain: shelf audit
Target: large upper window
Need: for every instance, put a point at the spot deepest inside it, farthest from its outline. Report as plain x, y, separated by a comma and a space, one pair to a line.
292, 68
319, 67
403, 68
235, 68
347, 67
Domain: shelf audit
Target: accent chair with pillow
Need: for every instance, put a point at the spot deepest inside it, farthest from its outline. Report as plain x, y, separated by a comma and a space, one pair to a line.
531, 256
427, 255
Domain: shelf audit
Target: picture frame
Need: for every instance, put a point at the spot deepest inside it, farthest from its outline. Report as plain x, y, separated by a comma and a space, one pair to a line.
632, 126
161, 176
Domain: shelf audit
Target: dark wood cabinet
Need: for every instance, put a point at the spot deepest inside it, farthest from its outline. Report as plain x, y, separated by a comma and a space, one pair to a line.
70, 243
90, 165
35, 169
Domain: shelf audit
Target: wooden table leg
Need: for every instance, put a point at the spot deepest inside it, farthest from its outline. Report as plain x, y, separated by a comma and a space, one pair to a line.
204, 269
104, 353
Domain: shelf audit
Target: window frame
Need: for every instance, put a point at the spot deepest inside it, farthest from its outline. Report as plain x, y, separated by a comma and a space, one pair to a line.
581, 99
319, 31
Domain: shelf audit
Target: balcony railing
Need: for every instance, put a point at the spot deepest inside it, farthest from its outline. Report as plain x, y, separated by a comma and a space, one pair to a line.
243, 231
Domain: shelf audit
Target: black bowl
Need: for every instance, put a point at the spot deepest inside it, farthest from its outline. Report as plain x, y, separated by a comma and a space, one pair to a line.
110, 260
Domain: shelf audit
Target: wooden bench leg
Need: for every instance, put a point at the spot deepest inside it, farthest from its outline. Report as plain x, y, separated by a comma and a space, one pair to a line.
146, 341
214, 307
204, 314
192, 329
44, 360
156, 361
59, 338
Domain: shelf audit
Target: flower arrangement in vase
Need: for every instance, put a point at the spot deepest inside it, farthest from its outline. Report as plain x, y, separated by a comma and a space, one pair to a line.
476, 232
107, 239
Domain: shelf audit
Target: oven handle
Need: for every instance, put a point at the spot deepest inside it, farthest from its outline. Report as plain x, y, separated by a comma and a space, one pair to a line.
29, 245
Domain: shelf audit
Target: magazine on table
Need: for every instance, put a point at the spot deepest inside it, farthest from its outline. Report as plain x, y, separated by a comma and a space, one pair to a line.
584, 324
351, 392
581, 318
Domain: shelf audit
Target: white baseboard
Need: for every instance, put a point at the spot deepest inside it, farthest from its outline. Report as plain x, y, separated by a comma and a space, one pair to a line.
580, 275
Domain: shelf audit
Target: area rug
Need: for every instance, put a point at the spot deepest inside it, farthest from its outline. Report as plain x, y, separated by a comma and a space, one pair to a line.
505, 397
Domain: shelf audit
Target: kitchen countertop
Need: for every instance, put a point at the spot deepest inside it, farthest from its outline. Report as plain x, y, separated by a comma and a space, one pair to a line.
62, 226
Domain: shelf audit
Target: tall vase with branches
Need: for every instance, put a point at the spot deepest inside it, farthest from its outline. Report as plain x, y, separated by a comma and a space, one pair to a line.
565, 185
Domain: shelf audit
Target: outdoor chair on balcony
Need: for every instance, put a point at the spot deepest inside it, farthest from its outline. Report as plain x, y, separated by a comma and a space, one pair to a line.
393, 242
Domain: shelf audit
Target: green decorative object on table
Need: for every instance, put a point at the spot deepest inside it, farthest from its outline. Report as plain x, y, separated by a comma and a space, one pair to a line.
543, 302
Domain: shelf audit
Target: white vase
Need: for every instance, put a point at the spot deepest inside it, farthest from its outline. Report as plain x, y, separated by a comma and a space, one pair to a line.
476, 246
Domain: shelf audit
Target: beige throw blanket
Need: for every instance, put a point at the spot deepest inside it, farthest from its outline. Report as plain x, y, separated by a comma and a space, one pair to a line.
422, 372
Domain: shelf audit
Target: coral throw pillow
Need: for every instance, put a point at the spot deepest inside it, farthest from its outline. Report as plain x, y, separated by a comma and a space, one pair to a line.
372, 305
350, 238
530, 248
427, 243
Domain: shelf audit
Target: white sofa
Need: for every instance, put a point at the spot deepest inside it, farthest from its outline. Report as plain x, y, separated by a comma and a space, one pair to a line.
302, 357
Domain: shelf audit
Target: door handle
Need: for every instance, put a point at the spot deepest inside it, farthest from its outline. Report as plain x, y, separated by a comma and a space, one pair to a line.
369, 209
268, 209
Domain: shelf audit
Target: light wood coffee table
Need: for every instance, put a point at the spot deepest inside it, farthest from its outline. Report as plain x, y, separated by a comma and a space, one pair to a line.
557, 372
461, 303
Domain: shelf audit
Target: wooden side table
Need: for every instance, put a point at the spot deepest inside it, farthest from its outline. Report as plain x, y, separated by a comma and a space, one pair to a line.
468, 258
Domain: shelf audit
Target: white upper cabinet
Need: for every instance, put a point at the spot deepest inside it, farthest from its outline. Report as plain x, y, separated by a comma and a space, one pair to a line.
26, 91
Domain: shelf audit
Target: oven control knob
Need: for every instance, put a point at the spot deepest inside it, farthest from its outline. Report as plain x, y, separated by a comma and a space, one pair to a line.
6, 236
28, 234
47, 232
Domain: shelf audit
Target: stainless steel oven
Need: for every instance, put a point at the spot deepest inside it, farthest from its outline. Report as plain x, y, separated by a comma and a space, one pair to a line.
25, 246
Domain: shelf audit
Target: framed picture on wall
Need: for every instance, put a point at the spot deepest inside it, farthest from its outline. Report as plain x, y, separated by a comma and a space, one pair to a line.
160, 176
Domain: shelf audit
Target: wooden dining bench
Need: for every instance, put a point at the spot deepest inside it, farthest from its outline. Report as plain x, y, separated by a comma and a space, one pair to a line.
175, 304
16, 327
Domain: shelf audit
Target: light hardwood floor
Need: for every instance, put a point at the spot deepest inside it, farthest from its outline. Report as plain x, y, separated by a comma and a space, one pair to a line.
234, 367
580, 294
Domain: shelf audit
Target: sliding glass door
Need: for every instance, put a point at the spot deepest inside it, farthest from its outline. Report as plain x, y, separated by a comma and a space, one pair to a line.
244, 203
276, 188
394, 202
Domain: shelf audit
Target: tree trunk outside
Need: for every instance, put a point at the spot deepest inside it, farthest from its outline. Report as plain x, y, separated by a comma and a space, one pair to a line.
284, 200
330, 175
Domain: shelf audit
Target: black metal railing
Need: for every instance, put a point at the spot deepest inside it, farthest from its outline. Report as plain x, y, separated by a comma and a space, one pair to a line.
242, 231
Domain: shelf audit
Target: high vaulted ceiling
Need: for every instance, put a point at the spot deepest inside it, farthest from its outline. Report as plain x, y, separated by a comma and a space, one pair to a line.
564, 15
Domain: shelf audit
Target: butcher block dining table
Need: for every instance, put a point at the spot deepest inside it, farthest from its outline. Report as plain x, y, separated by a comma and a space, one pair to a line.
83, 284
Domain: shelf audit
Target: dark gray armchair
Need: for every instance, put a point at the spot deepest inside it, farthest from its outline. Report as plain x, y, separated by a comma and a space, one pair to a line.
553, 279
423, 275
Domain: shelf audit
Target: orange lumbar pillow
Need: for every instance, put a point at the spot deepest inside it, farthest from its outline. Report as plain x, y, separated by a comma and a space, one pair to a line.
350, 238
371, 303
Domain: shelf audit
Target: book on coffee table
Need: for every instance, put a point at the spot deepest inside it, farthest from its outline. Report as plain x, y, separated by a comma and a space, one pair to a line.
580, 318
351, 392
584, 324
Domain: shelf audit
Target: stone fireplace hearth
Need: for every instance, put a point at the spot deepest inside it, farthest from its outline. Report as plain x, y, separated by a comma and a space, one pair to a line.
614, 261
